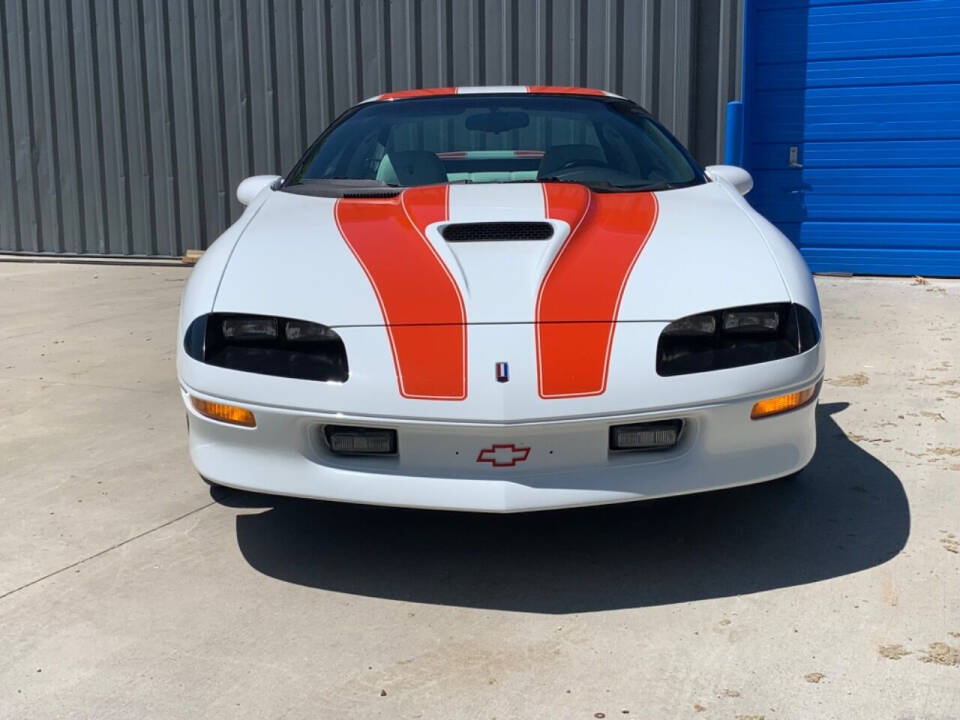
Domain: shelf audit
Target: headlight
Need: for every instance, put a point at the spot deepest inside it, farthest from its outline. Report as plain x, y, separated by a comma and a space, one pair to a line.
268, 345
734, 337
249, 328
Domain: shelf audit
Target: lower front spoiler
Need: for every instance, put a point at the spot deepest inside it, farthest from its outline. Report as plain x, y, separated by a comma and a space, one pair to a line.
437, 468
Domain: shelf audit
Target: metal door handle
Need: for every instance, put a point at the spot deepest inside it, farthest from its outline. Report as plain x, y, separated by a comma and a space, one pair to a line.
795, 157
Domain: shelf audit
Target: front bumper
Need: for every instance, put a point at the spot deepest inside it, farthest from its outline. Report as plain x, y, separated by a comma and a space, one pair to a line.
438, 465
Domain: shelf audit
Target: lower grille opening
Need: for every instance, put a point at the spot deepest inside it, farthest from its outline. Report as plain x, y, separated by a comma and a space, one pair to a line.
353, 440
646, 437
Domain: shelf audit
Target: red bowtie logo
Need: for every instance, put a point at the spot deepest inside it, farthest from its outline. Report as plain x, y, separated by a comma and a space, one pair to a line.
503, 455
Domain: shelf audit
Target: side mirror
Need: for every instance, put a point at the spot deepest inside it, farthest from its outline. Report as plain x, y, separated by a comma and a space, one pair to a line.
248, 189
736, 176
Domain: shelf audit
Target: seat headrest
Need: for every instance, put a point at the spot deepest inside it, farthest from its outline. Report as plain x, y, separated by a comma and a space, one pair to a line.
558, 155
411, 167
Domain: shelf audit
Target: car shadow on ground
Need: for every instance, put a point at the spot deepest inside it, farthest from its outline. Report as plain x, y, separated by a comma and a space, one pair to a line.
846, 512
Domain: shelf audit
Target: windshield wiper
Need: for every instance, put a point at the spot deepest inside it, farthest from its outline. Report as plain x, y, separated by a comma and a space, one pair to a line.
355, 182
649, 187
602, 185
343, 187
548, 178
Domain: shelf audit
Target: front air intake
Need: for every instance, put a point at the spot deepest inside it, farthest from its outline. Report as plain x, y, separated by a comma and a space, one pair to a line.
497, 231
657, 435
350, 440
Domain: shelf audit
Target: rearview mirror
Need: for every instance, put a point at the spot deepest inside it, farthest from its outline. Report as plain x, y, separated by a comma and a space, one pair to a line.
736, 176
249, 188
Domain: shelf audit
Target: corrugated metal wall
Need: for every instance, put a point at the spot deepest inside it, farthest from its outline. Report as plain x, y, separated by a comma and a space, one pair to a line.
125, 125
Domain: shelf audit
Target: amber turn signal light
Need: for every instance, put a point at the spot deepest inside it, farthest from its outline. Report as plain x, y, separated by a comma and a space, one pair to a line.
784, 403
223, 412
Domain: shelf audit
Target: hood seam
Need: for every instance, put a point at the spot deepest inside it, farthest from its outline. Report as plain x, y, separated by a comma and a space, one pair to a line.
738, 199
503, 322
240, 233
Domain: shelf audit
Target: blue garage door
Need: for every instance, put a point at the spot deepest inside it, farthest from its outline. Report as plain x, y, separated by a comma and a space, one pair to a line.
852, 130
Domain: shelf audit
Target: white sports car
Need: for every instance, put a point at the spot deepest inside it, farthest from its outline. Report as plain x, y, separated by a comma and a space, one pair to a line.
499, 299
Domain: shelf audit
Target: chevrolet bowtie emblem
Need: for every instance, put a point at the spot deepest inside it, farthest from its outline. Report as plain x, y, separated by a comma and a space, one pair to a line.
506, 455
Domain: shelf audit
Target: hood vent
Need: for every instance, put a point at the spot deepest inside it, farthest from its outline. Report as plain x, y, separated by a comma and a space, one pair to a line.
497, 231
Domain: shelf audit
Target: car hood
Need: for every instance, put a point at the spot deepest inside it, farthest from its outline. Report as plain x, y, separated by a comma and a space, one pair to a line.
610, 256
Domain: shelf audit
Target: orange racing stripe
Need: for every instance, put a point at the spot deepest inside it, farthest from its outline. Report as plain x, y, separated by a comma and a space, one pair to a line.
579, 298
421, 303
421, 92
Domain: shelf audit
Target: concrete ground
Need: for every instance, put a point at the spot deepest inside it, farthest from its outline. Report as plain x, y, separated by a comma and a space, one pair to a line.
129, 590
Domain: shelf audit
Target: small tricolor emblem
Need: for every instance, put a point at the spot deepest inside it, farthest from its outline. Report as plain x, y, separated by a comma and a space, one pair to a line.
503, 372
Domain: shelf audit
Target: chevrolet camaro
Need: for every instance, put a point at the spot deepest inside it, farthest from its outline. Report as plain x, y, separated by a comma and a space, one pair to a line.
499, 299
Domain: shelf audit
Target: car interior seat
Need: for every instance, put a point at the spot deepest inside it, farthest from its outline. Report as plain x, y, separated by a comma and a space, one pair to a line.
411, 167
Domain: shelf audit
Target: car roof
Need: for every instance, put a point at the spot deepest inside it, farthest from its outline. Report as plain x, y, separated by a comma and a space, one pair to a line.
491, 89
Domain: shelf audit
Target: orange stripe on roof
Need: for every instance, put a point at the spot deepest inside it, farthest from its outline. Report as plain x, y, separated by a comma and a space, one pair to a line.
579, 299
422, 92
420, 301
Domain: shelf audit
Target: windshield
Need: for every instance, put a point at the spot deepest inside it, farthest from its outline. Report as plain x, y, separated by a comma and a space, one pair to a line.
603, 143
